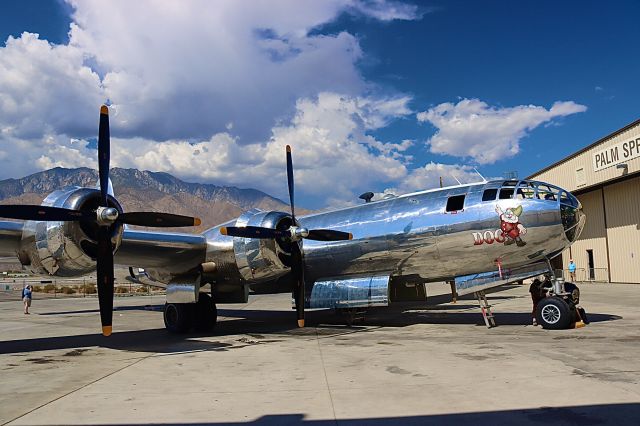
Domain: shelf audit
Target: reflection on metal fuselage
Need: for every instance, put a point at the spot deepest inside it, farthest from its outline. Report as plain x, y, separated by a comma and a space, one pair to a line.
413, 234
437, 234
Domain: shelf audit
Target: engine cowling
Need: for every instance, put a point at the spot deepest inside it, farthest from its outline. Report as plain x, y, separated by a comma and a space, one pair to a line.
66, 248
262, 259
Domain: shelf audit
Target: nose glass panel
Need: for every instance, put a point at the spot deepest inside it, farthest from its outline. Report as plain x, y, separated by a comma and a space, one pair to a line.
573, 220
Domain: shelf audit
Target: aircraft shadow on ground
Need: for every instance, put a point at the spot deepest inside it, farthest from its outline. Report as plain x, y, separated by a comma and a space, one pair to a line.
95, 311
265, 327
601, 414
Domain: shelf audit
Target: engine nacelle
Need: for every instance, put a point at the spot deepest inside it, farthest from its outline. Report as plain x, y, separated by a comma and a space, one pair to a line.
66, 248
262, 259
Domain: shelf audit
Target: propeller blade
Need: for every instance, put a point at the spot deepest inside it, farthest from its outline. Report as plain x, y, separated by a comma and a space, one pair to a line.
297, 276
328, 235
104, 154
252, 232
290, 182
32, 212
104, 272
158, 220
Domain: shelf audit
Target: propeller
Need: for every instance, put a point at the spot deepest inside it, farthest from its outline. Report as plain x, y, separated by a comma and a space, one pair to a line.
295, 234
106, 217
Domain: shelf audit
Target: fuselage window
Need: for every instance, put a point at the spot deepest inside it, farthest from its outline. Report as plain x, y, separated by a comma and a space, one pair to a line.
506, 193
547, 193
489, 194
455, 203
526, 190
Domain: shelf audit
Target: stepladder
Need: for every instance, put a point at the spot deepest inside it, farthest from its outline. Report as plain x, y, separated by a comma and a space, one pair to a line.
485, 307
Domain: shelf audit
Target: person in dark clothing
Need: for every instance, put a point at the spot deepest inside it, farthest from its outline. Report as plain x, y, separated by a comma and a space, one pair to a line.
539, 290
575, 295
536, 297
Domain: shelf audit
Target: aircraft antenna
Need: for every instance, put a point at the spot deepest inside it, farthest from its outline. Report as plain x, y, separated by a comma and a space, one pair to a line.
479, 174
454, 176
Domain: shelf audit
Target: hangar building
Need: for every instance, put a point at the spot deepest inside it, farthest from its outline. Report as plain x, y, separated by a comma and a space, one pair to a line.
605, 176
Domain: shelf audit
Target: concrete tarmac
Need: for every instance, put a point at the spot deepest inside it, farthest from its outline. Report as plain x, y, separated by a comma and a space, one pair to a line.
405, 365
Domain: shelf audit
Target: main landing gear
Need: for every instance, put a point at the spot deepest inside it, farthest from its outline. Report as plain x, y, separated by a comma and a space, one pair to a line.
183, 317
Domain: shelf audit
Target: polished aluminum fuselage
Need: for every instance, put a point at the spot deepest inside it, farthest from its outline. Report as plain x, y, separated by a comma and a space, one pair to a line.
415, 235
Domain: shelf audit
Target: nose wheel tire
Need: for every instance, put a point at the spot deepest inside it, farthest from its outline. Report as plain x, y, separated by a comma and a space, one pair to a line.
553, 313
178, 317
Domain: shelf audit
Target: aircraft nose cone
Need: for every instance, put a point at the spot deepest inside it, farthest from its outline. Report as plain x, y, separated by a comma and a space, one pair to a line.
573, 220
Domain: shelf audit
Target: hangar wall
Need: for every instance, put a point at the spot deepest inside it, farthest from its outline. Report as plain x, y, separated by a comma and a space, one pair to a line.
605, 176
622, 205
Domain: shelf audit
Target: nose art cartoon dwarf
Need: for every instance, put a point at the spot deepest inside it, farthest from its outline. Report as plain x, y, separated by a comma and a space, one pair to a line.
510, 225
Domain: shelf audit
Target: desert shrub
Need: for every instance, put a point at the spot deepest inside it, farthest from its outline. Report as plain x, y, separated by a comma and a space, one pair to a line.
37, 288
67, 290
143, 289
88, 289
49, 288
122, 289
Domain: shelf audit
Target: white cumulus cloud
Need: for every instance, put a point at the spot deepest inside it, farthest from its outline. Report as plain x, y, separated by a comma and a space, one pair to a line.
332, 154
45, 88
472, 128
208, 91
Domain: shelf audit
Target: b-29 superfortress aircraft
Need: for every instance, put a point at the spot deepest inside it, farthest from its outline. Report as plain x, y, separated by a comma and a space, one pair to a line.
351, 258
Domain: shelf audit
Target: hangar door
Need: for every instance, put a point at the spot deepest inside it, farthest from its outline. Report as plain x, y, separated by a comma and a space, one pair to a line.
622, 204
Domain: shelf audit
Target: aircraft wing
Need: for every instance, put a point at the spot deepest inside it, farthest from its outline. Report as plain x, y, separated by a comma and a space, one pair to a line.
169, 252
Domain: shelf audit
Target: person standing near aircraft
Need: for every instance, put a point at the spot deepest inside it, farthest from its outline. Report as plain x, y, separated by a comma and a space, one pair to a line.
539, 290
26, 298
572, 270
536, 297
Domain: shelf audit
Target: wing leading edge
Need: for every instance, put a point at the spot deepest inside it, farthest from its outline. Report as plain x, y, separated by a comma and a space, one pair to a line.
166, 252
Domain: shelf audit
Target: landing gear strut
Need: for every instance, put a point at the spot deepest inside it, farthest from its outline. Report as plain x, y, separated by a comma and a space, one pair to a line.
182, 317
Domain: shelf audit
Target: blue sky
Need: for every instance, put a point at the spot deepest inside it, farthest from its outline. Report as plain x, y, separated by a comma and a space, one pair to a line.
372, 94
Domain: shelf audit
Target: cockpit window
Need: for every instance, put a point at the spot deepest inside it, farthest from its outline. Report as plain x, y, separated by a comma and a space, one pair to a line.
510, 183
568, 199
489, 194
506, 193
455, 203
526, 190
546, 192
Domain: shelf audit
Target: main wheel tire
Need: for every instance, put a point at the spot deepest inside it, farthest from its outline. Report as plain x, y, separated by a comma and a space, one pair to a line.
554, 313
178, 317
206, 313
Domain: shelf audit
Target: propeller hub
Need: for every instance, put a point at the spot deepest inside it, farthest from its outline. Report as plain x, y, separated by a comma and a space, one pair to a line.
106, 215
298, 233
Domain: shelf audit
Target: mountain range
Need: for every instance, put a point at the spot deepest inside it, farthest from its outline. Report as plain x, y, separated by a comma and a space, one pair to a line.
147, 191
